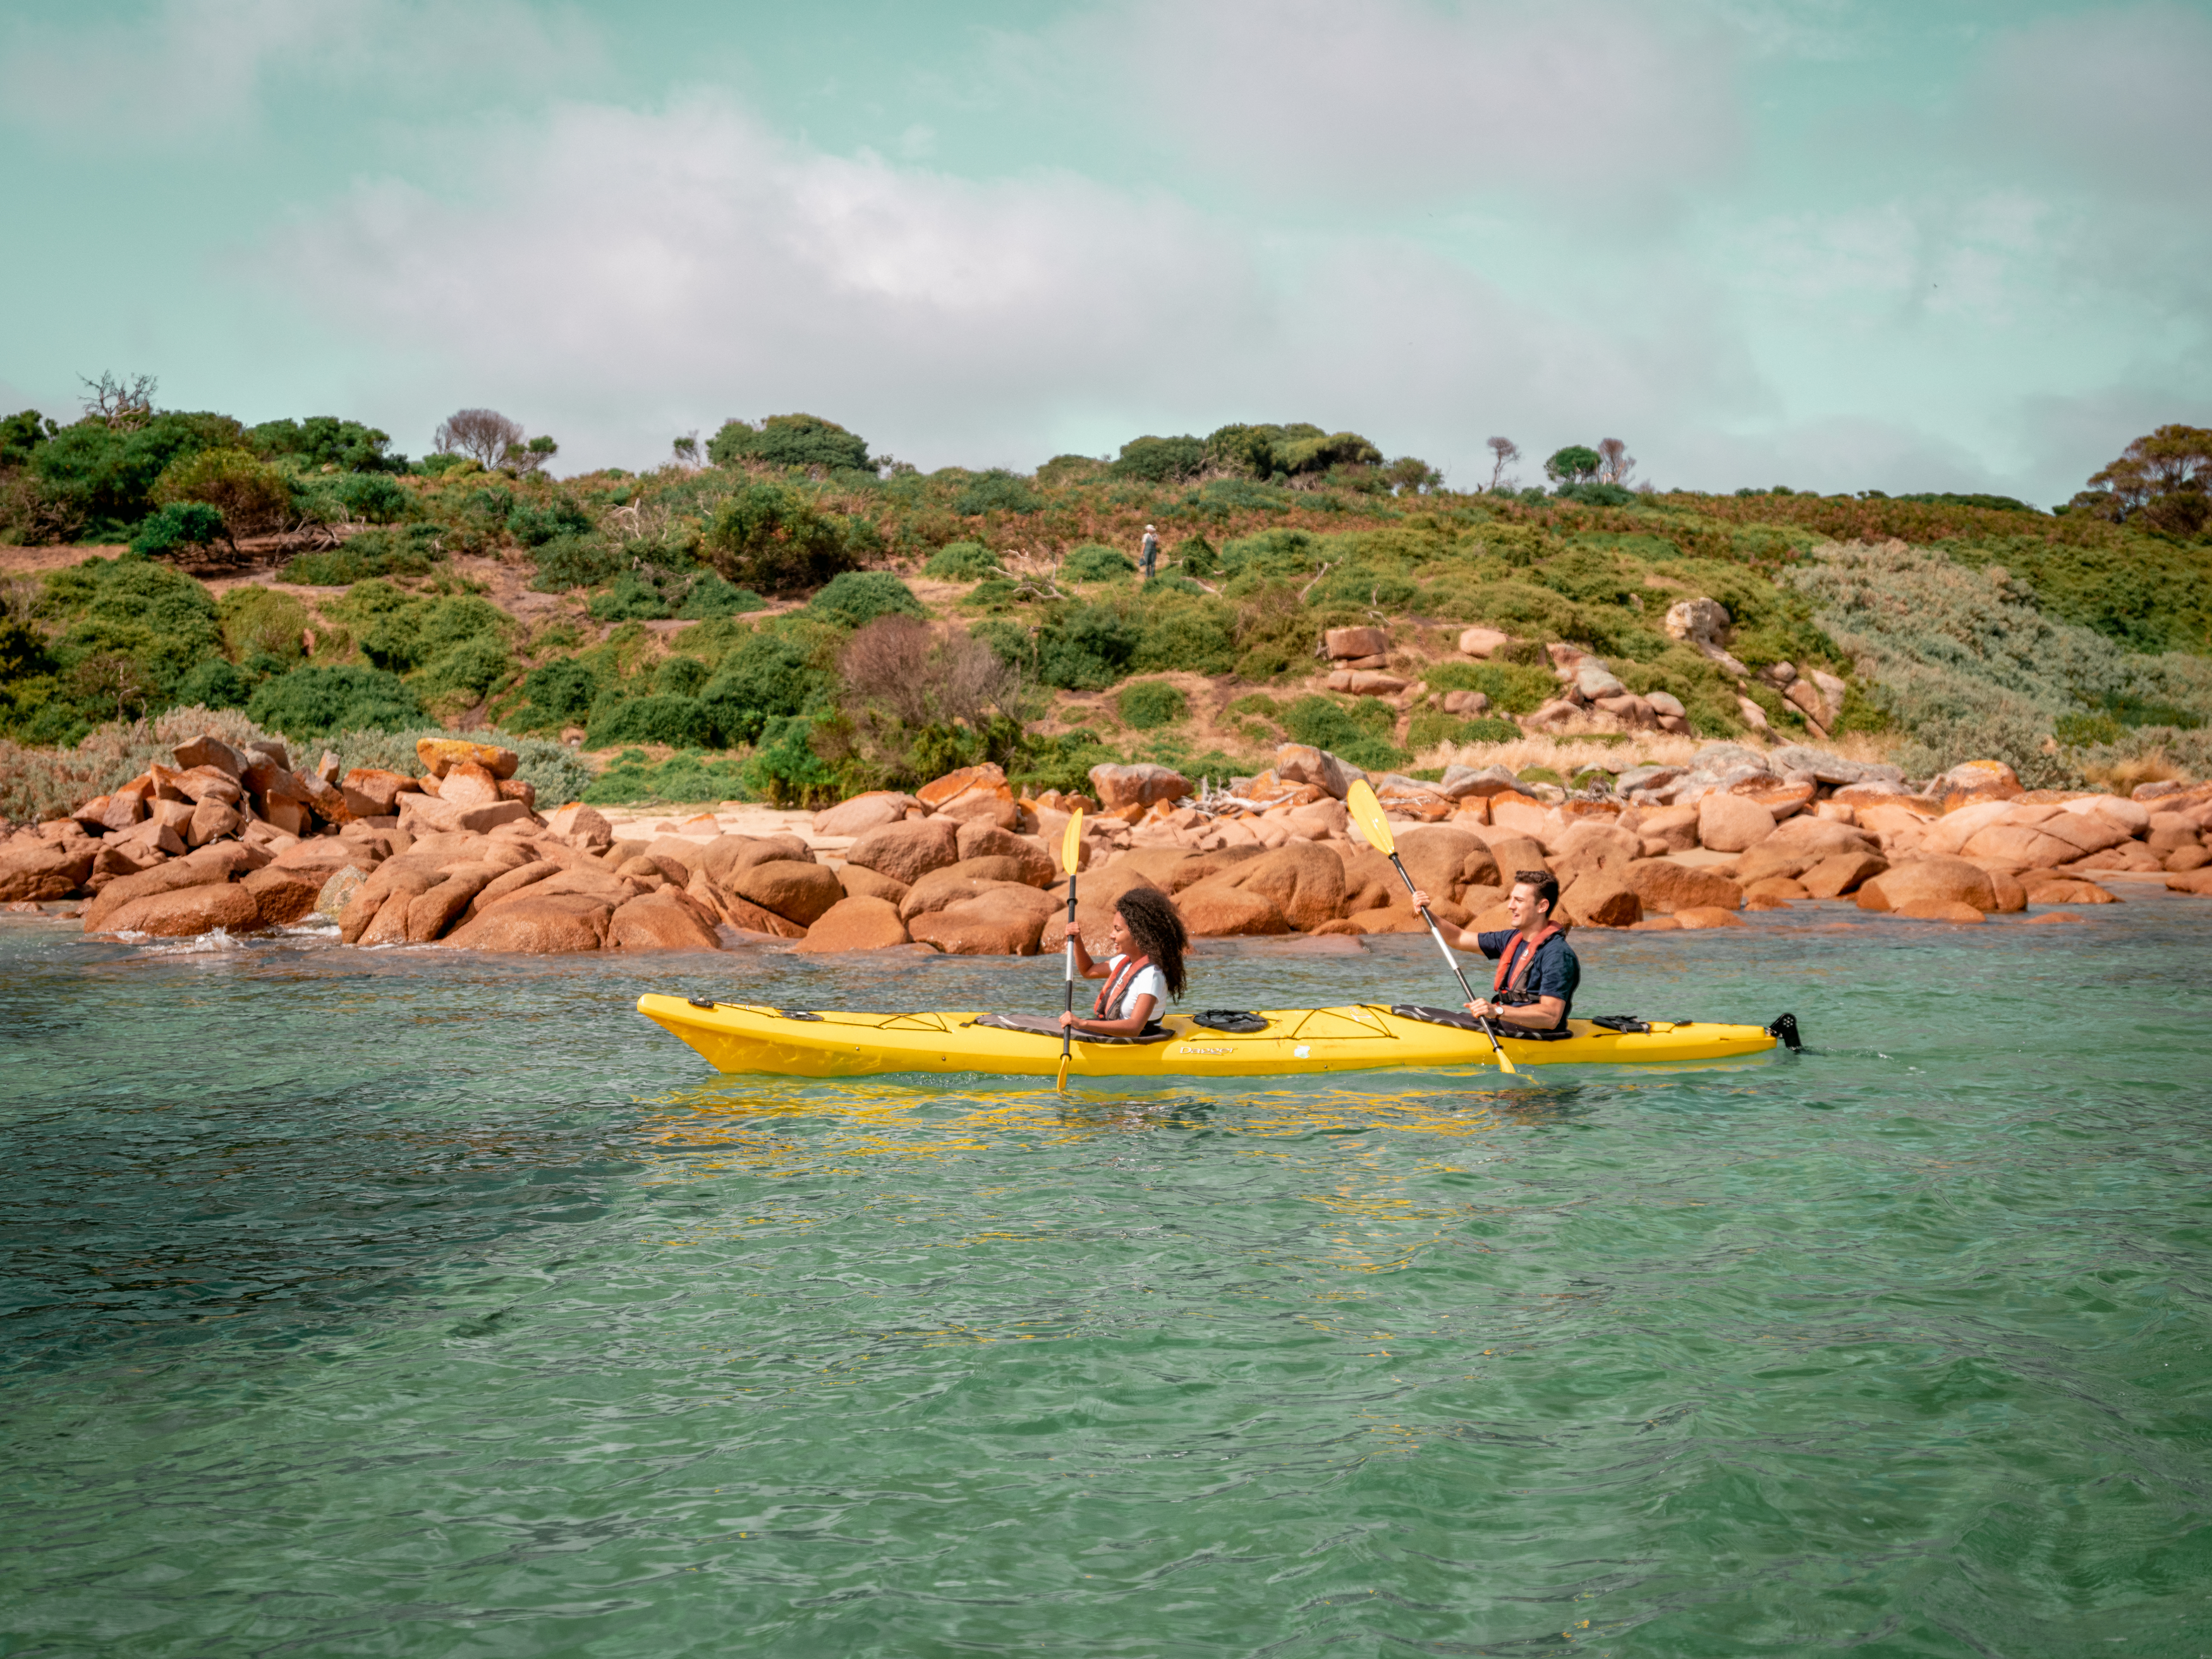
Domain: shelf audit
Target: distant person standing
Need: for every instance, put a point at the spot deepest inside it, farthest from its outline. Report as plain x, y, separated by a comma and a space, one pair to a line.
1148, 555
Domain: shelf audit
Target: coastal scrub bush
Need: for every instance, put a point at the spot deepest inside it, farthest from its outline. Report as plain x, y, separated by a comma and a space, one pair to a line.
996, 492
962, 561
709, 598
323, 441
93, 476
806, 441
556, 694
918, 700
776, 540
572, 561
315, 701
684, 777
1147, 705
179, 525
257, 619
412, 633
856, 598
1195, 633
1359, 734
630, 598
250, 494
762, 677
1063, 762
534, 524
678, 722
38, 784
373, 497
1432, 727
1093, 563
1088, 649
1162, 460
1512, 687
409, 552
787, 769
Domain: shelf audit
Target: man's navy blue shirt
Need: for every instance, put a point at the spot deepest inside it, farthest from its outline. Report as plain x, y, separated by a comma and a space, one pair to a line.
1555, 973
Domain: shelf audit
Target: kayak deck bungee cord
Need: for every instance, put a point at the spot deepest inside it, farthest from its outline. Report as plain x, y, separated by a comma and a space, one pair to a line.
829, 1043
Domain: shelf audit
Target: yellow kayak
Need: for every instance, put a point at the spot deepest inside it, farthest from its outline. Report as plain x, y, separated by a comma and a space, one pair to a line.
826, 1042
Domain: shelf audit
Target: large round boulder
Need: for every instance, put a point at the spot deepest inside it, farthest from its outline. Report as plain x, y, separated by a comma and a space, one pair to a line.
859, 923
908, 850
798, 892
1936, 880
1729, 823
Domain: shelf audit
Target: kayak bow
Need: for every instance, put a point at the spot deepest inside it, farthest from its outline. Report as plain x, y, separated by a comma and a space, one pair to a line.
826, 1042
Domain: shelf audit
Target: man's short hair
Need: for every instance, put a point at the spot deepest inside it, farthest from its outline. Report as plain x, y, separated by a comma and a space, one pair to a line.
1546, 883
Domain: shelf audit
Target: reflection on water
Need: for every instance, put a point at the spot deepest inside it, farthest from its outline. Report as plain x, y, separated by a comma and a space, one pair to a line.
396, 1303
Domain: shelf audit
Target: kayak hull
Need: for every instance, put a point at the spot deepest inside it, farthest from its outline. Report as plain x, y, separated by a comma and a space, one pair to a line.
744, 1037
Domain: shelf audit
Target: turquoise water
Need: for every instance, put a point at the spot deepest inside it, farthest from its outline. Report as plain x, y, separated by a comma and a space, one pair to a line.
408, 1303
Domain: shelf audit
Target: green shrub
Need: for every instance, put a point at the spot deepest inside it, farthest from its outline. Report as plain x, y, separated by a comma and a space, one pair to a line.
1196, 634
857, 597
1515, 688
1094, 564
375, 496
250, 493
790, 440
631, 598
314, 702
787, 769
1063, 762
99, 478
686, 777
996, 492
763, 677
962, 561
413, 551
1162, 460
130, 606
180, 525
1431, 727
1360, 733
325, 441
555, 695
410, 635
678, 723
1150, 704
1087, 650
535, 523
777, 541
709, 598
256, 618
463, 674
215, 683
681, 677
1197, 557
568, 562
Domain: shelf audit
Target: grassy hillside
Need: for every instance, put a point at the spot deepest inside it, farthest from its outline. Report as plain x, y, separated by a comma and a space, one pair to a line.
795, 623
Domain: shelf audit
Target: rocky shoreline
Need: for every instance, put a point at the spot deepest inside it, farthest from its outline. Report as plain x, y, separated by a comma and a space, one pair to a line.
240, 840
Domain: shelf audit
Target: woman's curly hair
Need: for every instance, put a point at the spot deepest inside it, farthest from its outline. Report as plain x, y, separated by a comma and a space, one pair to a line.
1156, 927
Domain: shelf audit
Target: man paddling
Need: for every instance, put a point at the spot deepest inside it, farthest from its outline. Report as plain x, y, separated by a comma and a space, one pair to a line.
1537, 972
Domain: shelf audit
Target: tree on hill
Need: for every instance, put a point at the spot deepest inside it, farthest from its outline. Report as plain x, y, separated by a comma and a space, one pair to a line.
1575, 464
493, 442
2162, 480
1614, 465
326, 441
119, 404
1162, 460
1504, 452
806, 441
1299, 451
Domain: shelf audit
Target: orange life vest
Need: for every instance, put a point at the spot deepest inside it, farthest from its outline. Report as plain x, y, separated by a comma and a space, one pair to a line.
1514, 962
1117, 982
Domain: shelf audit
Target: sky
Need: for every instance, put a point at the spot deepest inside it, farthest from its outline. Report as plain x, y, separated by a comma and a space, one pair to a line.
1935, 245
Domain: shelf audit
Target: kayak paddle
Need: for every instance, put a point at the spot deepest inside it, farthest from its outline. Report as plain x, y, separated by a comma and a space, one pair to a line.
1367, 813
1071, 848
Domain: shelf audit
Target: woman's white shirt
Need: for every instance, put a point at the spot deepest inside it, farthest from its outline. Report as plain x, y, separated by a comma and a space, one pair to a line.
1145, 981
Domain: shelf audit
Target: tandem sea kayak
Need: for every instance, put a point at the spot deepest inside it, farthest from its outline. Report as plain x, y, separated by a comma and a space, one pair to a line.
828, 1042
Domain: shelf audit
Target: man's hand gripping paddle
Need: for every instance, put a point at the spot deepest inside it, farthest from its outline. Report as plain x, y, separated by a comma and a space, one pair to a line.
1071, 849
1367, 813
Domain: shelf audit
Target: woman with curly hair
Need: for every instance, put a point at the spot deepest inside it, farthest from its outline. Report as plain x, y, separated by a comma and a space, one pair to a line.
1148, 940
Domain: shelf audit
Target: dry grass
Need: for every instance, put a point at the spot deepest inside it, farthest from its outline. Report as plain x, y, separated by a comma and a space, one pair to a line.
1571, 752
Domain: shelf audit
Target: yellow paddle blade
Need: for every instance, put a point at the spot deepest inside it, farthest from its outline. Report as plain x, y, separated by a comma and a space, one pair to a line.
1062, 1085
1367, 813
1070, 844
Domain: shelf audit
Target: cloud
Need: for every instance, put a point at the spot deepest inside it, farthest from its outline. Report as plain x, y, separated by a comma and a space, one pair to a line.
195, 71
1594, 104
631, 274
